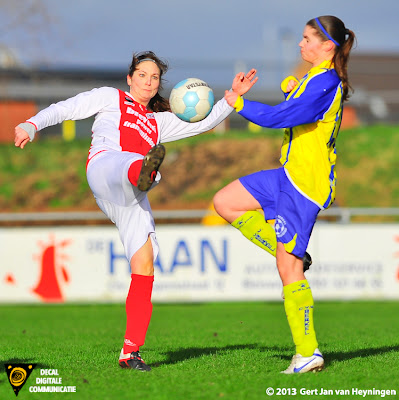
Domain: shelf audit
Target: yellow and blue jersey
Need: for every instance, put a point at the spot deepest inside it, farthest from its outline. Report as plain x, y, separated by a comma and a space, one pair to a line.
311, 115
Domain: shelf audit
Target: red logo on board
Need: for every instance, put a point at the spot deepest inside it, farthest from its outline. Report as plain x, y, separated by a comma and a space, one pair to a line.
53, 273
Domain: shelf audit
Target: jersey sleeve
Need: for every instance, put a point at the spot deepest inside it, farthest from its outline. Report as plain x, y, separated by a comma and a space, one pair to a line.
299, 109
81, 106
172, 128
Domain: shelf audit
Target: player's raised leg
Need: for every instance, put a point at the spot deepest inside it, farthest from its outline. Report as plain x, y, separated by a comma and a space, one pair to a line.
238, 207
142, 173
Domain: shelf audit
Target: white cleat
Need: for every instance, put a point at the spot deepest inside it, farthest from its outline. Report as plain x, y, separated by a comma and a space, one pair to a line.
300, 365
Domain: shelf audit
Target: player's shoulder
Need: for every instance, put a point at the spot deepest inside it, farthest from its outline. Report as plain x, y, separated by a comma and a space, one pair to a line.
327, 75
106, 90
104, 95
326, 79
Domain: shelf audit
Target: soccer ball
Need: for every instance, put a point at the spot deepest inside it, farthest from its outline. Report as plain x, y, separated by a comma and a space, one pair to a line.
191, 100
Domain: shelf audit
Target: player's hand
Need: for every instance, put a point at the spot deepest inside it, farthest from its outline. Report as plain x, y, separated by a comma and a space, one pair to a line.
242, 83
231, 97
21, 137
291, 85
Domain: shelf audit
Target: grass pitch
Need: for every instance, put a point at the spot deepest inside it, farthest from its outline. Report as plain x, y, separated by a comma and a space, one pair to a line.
367, 169
202, 351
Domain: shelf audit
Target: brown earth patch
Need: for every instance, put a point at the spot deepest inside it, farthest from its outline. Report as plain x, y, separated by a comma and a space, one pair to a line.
190, 178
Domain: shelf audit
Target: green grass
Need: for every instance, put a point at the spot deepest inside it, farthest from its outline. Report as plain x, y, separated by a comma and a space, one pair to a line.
50, 173
367, 162
200, 351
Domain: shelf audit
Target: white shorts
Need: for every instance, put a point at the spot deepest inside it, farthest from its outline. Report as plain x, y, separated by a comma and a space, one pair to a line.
126, 206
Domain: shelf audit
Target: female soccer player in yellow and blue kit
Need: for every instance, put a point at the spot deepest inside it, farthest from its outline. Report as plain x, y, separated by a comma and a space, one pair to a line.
294, 194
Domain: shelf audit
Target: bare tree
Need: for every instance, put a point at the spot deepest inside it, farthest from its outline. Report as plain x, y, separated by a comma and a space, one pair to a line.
25, 29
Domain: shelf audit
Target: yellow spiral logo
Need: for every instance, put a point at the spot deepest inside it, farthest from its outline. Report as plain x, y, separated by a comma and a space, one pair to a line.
17, 376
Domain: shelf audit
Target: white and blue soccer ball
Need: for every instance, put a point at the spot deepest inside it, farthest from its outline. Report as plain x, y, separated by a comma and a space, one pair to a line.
191, 100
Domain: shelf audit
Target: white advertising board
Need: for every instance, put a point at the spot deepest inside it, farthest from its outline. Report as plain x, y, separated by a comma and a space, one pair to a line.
196, 263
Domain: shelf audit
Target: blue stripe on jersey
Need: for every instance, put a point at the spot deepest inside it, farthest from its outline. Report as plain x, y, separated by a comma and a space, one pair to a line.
332, 177
289, 146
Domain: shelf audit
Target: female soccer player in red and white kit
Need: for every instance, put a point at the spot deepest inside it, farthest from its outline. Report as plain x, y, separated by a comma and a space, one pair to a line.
122, 166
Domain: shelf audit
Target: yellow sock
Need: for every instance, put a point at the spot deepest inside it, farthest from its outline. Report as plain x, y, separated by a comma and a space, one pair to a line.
298, 306
253, 226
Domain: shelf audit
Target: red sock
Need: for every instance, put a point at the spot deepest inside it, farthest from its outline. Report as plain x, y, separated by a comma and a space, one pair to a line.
138, 312
134, 172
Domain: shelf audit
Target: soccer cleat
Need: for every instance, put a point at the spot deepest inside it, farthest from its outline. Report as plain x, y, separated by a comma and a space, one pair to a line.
133, 360
307, 261
300, 364
151, 163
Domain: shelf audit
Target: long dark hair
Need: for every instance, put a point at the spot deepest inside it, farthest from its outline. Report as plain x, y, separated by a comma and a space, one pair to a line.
157, 103
345, 38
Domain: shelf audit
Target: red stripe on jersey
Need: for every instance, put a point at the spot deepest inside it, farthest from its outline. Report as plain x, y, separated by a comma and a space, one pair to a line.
138, 128
32, 124
90, 158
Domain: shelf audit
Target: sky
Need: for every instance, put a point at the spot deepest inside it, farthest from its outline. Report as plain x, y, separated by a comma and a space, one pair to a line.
211, 38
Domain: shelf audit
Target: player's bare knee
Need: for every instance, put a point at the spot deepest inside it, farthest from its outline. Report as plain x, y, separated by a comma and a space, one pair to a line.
219, 204
144, 268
